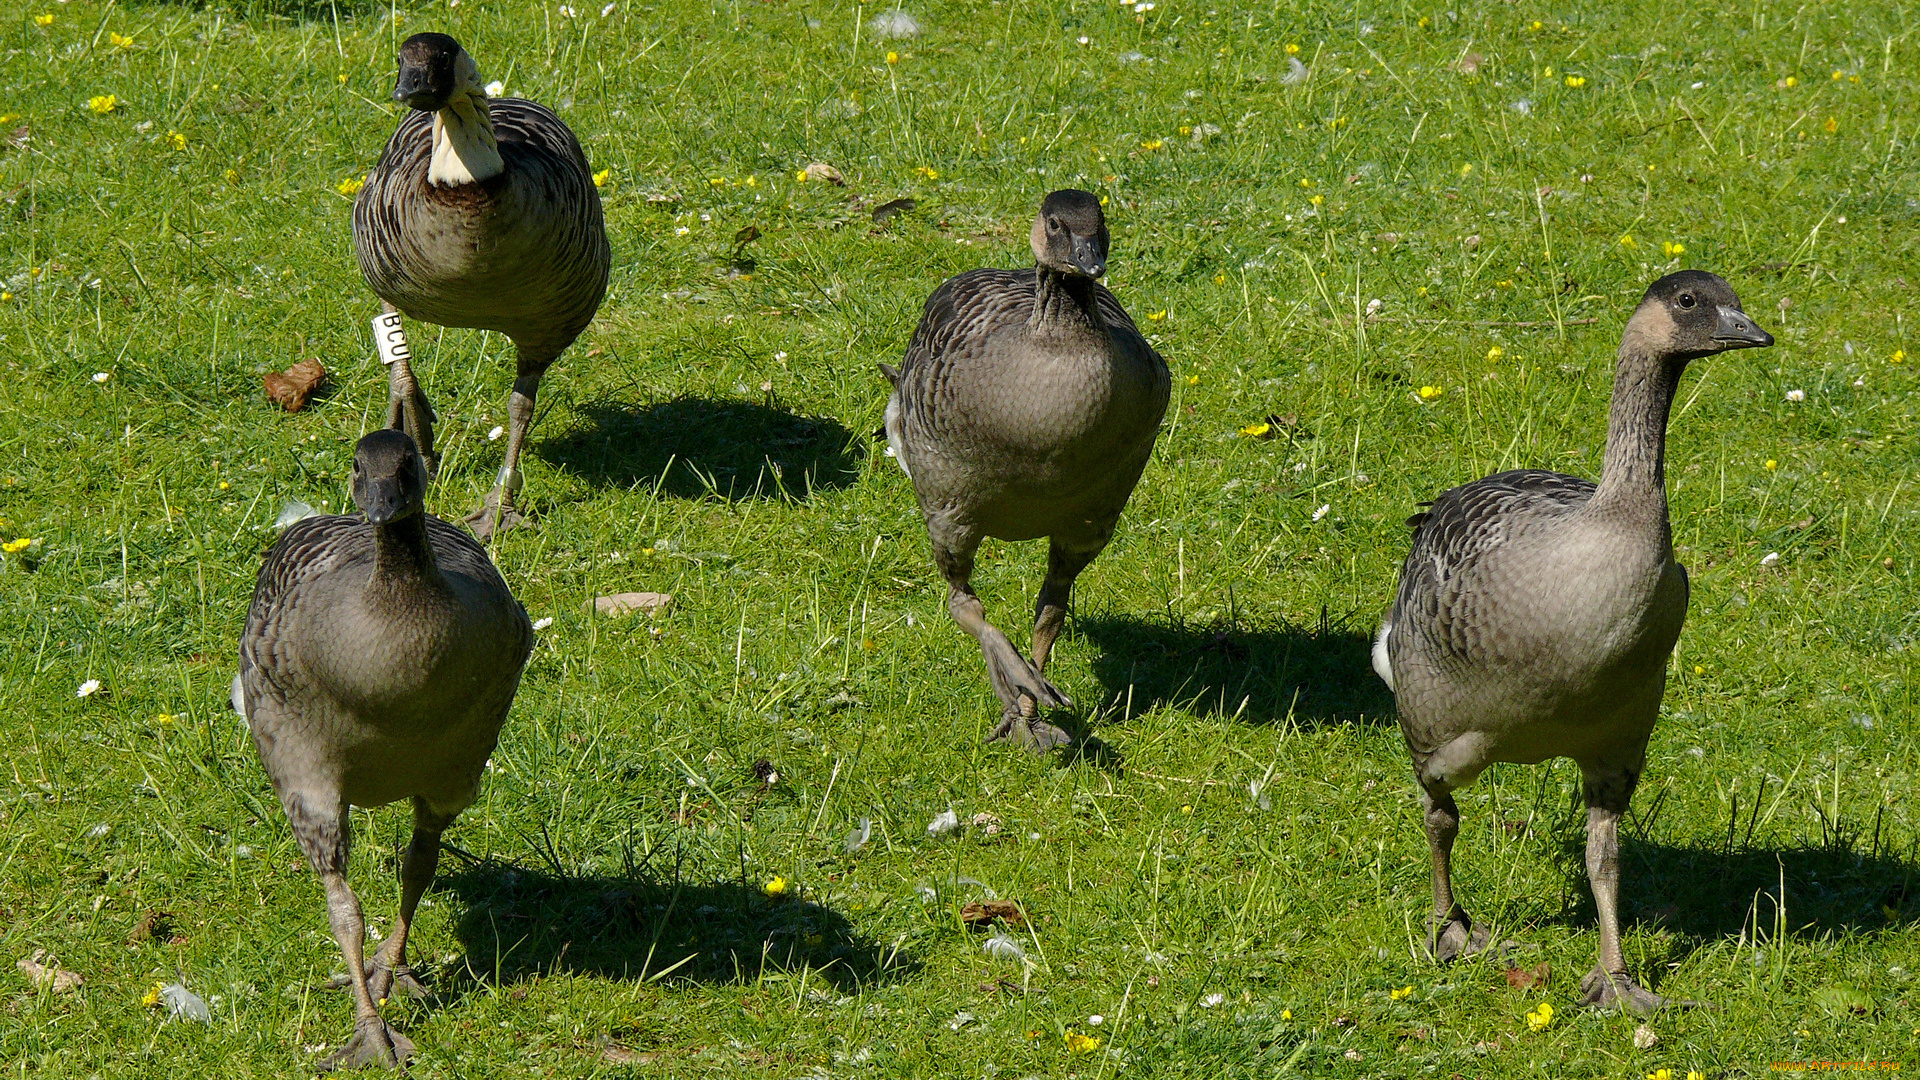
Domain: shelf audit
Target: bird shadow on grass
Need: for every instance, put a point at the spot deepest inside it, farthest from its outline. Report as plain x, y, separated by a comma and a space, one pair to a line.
517, 922
1258, 674
693, 448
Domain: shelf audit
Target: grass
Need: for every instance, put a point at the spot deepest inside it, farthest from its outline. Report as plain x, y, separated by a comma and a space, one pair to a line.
709, 437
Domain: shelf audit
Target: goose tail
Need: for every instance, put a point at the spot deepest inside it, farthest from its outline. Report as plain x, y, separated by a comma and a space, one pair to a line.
1382, 661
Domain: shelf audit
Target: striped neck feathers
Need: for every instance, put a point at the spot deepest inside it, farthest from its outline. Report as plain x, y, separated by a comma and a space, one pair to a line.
1062, 304
464, 148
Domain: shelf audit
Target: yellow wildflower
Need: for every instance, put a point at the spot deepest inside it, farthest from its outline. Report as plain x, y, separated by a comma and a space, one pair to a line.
1671, 249
119, 41
1790, 82
1899, 356
801, 176
718, 181
1185, 130
1539, 1017
1853, 79
1425, 22
16, 545
776, 886
1496, 353
224, 485
176, 141
750, 181
1401, 994
1832, 125
1534, 26
1660, 1074
1193, 380
600, 178
1627, 241
927, 173
1692, 1075
164, 718
893, 57
1316, 199
1286, 1014
103, 104
343, 78
1772, 464
1428, 393
43, 20
1082, 1044
231, 176
1836, 74
1156, 316
1504, 283
351, 185
1187, 809
1465, 168
151, 999
1256, 430
1306, 181
1698, 670
1293, 49
1219, 279
1153, 144
1576, 81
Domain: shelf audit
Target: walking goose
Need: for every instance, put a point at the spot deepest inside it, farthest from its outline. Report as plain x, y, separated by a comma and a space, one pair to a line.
480, 213
1536, 613
379, 660
1027, 406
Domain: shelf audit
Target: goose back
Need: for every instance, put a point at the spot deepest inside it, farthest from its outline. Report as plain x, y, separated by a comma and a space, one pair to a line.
523, 253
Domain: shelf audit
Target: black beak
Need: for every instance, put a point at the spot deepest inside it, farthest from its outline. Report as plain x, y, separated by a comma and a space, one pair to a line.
381, 500
1736, 331
1087, 258
414, 90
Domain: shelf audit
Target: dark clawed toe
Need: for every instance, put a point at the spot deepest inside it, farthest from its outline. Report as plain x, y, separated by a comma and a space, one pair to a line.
1040, 736
372, 1044
1603, 989
1460, 937
493, 518
384, 983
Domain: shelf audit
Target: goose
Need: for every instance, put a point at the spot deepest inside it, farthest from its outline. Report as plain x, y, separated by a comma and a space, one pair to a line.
1027, 406
1536, 612
480, 213
380, 656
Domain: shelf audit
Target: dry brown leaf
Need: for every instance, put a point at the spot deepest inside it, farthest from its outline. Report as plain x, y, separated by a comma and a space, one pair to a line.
293, 387
623, 603
820, 170
1533, 978
1470, 64
981, 914
49, 975
151, 926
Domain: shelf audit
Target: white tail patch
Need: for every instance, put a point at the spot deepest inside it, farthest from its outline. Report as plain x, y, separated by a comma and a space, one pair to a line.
239, 698
1382, 663
896, 436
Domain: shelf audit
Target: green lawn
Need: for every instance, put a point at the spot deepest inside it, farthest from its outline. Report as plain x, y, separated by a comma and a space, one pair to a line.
1506, 179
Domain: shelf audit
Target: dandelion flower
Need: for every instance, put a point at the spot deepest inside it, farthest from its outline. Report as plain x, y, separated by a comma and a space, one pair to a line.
1306, 181
893, 57
351, 185
1157, 316
1495, 353
1082, 1044
927, 173
1293, 49
1832, 125
776, 886
5, 296
1836, 74
1428, 393
1576, 81
1627, 241
176, 141
1790, 82
1698, 670
1286, 1014
88, 688
119, 41
1256, 431
801, 176
151, 999
601, 178
1316, 199
1539, 1017
43, 20
1671, 249
1219, 279
1153, 144
1534, 26
1772, 464
1186, 129
16, 545
1899, 356
224, 485
1401, 994
103, 104
1660, 1074
1691, 1075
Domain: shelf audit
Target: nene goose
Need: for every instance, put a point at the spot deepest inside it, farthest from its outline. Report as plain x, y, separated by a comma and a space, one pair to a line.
380, 657
480, 213
1536, 613
1027, 406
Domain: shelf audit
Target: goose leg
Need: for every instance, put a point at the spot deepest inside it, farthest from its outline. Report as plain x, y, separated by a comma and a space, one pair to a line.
1452, 933
497, 512
407, 407
324, 837
1608, 986
1064, 564
390, 971
1022, 690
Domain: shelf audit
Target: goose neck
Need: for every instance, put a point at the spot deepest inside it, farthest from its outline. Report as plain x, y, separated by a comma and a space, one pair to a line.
403, 560
1633, 479
465, 150
1062, 303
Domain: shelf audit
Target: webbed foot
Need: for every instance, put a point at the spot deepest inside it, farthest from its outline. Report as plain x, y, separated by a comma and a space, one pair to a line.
1020, 723
1603, 989
372, 1044
495, 515
1458, 937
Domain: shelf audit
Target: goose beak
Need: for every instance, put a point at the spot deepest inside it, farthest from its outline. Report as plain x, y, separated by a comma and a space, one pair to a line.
381, 500
414, 90
1087, 258
1736, 331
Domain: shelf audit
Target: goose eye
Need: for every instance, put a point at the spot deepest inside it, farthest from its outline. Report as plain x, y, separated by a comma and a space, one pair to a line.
1686, 300
1053, 224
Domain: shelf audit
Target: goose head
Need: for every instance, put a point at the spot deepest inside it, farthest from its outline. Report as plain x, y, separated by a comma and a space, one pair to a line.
389, 479
1070, 234
1691, 314
435, 72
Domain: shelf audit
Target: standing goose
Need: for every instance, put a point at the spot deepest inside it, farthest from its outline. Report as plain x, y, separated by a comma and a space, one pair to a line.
480, 213
379, 660
1536, 613
1027, 406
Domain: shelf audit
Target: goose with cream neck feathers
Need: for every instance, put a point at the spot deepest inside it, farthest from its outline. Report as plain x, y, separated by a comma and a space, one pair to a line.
380, 657
1027, 406
1536, 612
481, 213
